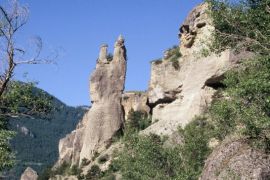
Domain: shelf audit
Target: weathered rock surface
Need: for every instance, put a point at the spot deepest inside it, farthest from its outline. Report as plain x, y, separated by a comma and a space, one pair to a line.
106, 115
236, 160
136, 101
176, 96
195, 31
29, 174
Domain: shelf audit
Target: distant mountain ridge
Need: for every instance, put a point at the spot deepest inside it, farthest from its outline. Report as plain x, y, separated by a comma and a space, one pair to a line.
36, 141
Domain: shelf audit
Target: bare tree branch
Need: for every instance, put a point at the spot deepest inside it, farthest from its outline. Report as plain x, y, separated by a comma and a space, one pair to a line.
14, 20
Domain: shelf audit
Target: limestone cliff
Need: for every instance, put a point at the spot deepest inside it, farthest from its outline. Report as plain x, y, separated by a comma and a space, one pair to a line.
180, 88
176, 96
106, 115
236, 159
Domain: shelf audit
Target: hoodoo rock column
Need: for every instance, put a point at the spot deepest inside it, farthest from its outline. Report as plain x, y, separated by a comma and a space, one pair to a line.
106, 116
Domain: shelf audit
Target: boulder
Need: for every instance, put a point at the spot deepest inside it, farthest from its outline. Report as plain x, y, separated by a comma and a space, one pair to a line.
29, 174
236, 160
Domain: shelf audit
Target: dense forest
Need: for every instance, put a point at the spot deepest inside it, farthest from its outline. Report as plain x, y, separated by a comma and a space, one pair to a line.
36, 138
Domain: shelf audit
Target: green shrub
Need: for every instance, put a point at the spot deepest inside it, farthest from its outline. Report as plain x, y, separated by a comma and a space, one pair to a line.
62, 170
96, 154
93, 173
46, 174
137, 120
175, 63
74, 170
240, 25
195, 149
85, 162
80, 176
246, 112
173, 54
146, 157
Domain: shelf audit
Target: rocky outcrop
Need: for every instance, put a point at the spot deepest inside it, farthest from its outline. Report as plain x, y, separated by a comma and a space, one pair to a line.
136, 101
195, 31
180, 88
29, 174
236, 160
106, 116
176, 96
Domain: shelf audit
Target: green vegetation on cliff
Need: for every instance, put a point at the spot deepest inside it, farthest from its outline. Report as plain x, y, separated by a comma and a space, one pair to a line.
246, 111
241, 107
241, 25
244, 26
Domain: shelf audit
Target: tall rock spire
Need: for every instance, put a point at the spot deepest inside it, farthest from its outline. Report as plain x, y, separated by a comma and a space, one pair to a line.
106, 116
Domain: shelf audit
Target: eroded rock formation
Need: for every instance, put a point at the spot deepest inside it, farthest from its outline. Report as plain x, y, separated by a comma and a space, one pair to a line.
195, 31
106, 116
236, 160
176, 96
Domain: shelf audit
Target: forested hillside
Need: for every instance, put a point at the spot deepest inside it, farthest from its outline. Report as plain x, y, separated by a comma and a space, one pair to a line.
36, 140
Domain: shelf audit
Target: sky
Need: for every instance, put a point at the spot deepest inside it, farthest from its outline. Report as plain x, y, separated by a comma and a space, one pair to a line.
77, 28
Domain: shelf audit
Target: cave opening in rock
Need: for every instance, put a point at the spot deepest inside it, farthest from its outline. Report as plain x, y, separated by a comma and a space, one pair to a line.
216, 82
165, 100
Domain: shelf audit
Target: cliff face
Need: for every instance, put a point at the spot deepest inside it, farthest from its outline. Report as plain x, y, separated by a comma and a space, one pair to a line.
106, 115
236, 160
177, 95
180, 88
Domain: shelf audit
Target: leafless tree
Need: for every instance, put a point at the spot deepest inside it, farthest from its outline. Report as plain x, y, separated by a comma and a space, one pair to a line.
13, 17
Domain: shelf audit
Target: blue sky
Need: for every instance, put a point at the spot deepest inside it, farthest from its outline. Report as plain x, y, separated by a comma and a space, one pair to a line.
77, 28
